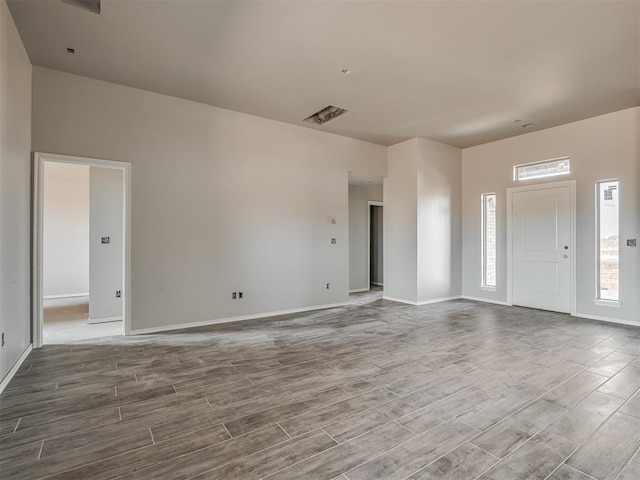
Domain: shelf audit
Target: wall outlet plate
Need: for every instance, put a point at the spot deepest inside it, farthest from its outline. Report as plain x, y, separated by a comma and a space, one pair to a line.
234, 295
631, 242
118, 293
106, 240
333, 241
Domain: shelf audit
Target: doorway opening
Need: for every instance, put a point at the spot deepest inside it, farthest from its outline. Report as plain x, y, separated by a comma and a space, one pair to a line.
540, 246
366, 274
81, 249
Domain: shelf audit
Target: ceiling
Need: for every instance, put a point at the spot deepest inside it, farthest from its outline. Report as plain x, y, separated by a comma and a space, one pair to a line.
457, 72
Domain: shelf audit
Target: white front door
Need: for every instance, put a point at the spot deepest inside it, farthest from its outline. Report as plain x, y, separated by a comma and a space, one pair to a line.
541, 243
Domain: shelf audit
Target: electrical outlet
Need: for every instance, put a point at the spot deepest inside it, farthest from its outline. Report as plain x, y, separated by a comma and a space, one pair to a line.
3, 339
333, 241
118, 293
240, 295
631, 242
234, 295
328, 285
105, 239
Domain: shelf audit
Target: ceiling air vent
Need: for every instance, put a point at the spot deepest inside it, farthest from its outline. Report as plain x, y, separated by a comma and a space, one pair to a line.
89, 5
326, 114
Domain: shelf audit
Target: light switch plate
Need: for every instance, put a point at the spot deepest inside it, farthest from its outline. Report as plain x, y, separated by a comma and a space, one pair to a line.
631, 242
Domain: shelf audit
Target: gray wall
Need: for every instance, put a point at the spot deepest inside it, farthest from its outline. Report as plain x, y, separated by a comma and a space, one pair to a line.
359, 196
15, 192
106, 219
600, 148
221, 201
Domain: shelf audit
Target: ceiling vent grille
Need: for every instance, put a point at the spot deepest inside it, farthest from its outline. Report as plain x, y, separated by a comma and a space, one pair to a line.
326, 114
88, 5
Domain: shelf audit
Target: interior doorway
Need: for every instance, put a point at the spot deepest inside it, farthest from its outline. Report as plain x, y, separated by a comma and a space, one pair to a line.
81, 248
541, 246
375, 242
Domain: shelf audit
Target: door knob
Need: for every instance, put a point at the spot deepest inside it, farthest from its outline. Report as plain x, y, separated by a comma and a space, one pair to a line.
565, 256
566, 247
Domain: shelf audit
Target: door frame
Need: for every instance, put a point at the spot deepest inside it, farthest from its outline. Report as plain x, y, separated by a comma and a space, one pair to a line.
37, 235
572, 243
370, 204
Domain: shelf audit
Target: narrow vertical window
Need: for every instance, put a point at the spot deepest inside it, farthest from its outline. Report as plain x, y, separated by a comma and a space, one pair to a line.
608, 241
489, 240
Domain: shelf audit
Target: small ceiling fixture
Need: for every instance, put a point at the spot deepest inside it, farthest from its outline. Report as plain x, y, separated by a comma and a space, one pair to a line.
72, 51
326, 114
88, 5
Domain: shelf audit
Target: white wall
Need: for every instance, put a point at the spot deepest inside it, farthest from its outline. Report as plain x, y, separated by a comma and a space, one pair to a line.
107, 220
422, 221
15, 191
221, 201
600, 148
439, 221
65, 265
359, 196
400, 222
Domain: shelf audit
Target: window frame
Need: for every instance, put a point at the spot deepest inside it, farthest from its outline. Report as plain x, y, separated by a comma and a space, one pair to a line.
605, 302
552, 160
484, 285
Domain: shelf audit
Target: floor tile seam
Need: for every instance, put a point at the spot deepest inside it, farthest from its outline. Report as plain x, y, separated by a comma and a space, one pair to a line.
629, 460
447, 453
345, 443
172, 459
345, 418
406, 441
563, 462
528, 440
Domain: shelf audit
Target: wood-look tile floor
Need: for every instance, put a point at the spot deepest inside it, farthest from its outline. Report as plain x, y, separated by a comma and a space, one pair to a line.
456, 390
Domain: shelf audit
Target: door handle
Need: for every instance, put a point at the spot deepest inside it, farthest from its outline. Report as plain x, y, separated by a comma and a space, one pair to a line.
565, 256
566, 247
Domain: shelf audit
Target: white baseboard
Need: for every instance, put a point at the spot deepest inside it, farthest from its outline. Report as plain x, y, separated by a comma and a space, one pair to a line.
485, 300
438, 300
7, 378
105, 319
205, 323
65, 295
377, 284
358, 290
422, 302
600, 318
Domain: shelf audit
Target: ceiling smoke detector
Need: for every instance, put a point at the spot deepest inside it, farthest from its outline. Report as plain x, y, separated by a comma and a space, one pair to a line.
326, 114
88, 5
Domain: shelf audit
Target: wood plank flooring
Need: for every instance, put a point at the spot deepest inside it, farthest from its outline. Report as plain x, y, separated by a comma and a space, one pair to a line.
375, 390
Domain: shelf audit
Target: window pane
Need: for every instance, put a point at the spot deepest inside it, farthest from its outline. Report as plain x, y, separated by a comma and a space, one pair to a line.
608, 241
489, 239
551, 168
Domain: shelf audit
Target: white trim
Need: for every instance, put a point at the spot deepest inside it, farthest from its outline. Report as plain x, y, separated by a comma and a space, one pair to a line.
371, 203
7, 378
359, 290
38, 187
422, 302
104, 319
486, 300
572, 243
205, 323
65, 295
607, 303
600, 318
488, 289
